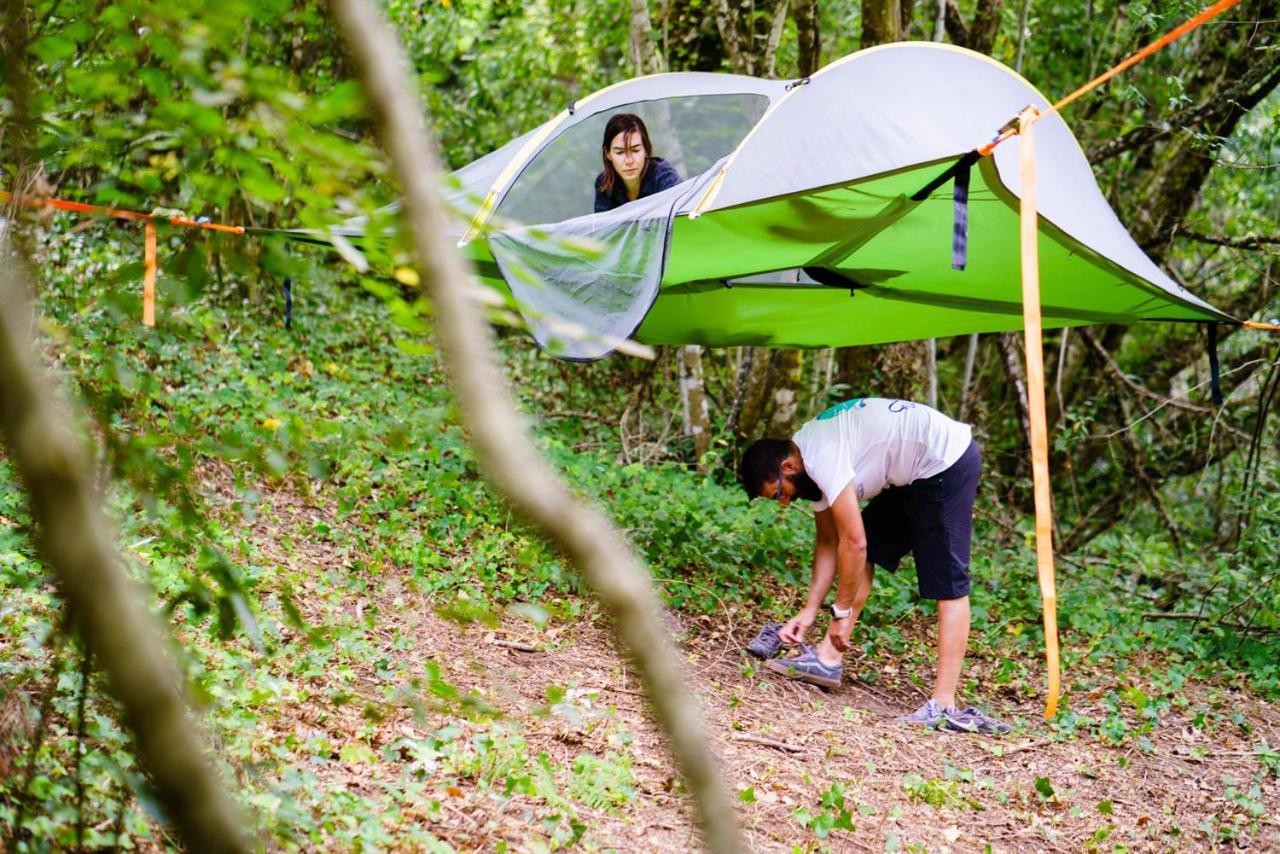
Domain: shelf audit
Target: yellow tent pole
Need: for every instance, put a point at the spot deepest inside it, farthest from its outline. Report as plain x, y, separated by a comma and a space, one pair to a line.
1035, 400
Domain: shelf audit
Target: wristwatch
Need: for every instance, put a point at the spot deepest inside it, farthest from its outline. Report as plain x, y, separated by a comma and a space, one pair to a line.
840, 613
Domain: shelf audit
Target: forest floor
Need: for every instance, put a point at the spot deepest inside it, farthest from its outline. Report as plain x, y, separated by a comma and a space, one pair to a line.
573, 758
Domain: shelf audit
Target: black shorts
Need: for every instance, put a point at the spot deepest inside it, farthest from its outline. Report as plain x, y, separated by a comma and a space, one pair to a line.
933, 519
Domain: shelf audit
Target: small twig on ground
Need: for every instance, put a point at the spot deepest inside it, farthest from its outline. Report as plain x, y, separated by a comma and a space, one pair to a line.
1030, 745
516, 645
769, 742
612, 690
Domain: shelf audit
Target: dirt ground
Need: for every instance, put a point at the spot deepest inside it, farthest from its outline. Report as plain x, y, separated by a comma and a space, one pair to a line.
787, 742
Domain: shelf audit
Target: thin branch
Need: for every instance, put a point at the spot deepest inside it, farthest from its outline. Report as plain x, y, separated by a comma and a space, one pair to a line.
1133, 385
1260, 80
74, 541
769, 742
512, 462
1196, 618
1236, 243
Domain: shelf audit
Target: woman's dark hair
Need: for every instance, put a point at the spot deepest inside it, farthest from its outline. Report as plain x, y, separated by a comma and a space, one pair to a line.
760, 464
627, 123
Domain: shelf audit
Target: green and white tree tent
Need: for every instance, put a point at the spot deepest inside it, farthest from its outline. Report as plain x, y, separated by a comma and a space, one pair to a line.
817, 213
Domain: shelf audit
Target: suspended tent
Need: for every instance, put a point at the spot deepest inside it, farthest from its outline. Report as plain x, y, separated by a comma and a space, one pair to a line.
841, 209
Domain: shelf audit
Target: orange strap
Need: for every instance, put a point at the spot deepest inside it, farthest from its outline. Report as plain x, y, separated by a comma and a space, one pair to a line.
149, 278
150, 220
1269, 327
1035, 401
117, 213
1169, 37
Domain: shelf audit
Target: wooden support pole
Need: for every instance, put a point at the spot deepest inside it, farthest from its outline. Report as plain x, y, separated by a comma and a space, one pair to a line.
1031, 322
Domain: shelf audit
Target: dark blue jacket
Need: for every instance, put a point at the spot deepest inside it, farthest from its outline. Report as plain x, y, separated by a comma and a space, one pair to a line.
658, 175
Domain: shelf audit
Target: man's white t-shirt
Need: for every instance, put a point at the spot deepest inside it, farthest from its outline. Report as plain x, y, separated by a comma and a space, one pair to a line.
877, 443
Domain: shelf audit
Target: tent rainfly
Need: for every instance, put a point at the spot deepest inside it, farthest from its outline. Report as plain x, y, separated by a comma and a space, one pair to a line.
842, 209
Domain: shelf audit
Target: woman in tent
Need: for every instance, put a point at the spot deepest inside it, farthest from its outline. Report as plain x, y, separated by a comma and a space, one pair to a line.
630, 170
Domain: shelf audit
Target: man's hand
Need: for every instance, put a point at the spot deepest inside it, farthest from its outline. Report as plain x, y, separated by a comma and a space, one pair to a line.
839, 633
793, 631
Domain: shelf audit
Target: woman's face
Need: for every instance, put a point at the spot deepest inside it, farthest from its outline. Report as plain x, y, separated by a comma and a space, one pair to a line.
626, 153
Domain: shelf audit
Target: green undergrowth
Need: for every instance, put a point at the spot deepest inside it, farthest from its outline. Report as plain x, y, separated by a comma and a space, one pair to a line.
221, 429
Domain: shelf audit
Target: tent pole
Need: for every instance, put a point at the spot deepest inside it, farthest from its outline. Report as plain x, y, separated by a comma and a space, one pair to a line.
1035, 400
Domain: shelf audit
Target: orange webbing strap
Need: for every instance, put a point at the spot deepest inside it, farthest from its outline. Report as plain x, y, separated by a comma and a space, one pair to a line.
1035, 400
150, 220
116, 213
1269, 327
1169, 37
149, 278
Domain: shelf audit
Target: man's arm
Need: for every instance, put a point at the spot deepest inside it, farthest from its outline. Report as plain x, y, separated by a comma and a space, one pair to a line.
853, 572
824, 571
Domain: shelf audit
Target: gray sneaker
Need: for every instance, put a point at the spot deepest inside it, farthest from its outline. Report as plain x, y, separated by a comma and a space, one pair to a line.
974, 720
767, 644
807, 667
930, 715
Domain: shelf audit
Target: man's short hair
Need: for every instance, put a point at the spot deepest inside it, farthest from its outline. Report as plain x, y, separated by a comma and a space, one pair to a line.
760, 463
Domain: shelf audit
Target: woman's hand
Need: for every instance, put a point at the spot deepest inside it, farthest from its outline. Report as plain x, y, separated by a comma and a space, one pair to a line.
793, 631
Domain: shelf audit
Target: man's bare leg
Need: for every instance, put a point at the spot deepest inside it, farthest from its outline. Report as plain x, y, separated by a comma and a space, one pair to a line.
953, 640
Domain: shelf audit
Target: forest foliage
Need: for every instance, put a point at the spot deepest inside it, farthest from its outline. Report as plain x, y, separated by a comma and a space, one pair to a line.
246, 112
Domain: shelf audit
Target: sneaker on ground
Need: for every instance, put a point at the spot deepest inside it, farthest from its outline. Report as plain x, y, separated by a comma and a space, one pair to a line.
930, 715
767, 644
807, 667
974, 720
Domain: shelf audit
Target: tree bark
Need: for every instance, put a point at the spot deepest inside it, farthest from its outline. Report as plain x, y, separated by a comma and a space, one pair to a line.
645, 56
784, 397
753, 385
745, 27
512, 462
693, 400
769, 61
970, 356
1017, 379
980, 34
881, 22
808, 36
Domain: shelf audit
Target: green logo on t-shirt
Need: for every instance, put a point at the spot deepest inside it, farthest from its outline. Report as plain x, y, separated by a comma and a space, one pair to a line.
833, 411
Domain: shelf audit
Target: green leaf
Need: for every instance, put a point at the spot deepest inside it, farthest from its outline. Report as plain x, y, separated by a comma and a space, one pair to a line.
357, 753
53, 48
1104, 807
1044, 787
748, 795
263, 187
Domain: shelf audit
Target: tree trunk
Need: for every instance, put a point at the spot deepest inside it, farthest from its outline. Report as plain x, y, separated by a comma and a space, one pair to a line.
1017, 379
824, 363
510, 458
753, 386
881, 22
746, 28
645, 56
808, 36
784, 397
693, 402
970, 356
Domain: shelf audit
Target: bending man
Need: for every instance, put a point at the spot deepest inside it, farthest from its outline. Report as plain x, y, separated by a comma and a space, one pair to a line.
918, 471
